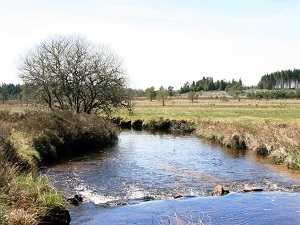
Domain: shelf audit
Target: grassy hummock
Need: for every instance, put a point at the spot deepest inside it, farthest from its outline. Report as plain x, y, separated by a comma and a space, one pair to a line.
33, 138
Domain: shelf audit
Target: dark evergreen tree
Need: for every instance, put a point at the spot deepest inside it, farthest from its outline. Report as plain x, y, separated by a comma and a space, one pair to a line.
185, 88
285, 79
207, 84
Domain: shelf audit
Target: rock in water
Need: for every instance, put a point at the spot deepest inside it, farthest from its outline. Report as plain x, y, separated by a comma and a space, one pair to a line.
75, 200
57, 216
178, 195
220, 190
249, 189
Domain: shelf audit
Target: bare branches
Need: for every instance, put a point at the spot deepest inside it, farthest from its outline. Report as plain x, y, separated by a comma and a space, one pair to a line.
71, 73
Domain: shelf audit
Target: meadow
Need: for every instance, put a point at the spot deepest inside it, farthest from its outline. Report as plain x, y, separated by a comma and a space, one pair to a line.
216, 108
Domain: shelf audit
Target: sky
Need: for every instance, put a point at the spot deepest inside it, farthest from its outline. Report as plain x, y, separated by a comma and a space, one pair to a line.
162, 42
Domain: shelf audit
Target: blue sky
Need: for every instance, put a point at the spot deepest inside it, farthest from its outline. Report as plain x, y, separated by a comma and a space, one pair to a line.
163, 43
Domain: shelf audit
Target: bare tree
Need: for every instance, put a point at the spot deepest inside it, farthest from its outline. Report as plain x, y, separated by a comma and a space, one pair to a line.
192, 95
68, 72
236, 90
162, 94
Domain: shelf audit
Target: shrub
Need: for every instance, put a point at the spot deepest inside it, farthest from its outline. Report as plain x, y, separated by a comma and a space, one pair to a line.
274, 94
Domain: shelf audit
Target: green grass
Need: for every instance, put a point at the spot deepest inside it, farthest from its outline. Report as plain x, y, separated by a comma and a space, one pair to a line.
209, 106
27, 154
251, 110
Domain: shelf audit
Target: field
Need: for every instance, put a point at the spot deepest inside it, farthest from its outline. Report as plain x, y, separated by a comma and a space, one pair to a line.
209, 106
216, 109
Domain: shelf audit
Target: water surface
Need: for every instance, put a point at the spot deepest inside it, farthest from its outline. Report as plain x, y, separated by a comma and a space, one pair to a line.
144, 166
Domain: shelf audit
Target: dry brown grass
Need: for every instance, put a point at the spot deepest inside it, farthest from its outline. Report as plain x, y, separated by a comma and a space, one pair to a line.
279, 141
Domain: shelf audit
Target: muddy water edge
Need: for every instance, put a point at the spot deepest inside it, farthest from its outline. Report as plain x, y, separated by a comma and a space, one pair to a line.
135, 181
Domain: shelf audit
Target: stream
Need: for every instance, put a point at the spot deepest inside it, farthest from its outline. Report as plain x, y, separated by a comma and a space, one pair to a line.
135, 180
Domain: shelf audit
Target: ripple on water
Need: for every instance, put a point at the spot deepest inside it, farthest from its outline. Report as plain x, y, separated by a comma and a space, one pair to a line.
143, 164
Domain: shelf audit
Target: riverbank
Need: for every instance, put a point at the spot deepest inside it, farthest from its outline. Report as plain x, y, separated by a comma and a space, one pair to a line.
278, 141
269, 128
32, 139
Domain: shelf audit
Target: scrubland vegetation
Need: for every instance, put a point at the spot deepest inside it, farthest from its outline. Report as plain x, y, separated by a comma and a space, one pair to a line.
29, 139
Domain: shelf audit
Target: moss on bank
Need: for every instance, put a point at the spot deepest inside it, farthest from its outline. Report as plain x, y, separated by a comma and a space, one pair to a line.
156, 124
31, 139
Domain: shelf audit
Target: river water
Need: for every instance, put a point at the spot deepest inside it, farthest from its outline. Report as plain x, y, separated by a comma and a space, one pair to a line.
134, 181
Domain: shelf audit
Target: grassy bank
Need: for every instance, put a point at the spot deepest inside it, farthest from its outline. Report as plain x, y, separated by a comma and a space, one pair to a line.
269, 128
30, 139
278, 141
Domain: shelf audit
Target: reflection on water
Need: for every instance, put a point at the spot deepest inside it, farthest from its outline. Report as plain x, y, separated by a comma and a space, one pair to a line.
143, 164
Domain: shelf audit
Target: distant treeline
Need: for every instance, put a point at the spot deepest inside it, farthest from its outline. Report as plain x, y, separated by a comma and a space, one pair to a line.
10, 91
207, 84
285, 79
277, 81
274, 94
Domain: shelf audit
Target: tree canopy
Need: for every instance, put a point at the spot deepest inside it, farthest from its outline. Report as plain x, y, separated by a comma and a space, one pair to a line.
284, 79
9, 91
4, 93
150, 93
162, 94
206, 84
235, 89
69, 72
192, 95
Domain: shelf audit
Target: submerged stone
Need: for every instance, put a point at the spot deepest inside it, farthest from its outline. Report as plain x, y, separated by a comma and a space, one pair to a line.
57, 216
178, 195
75, 200
250, 189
